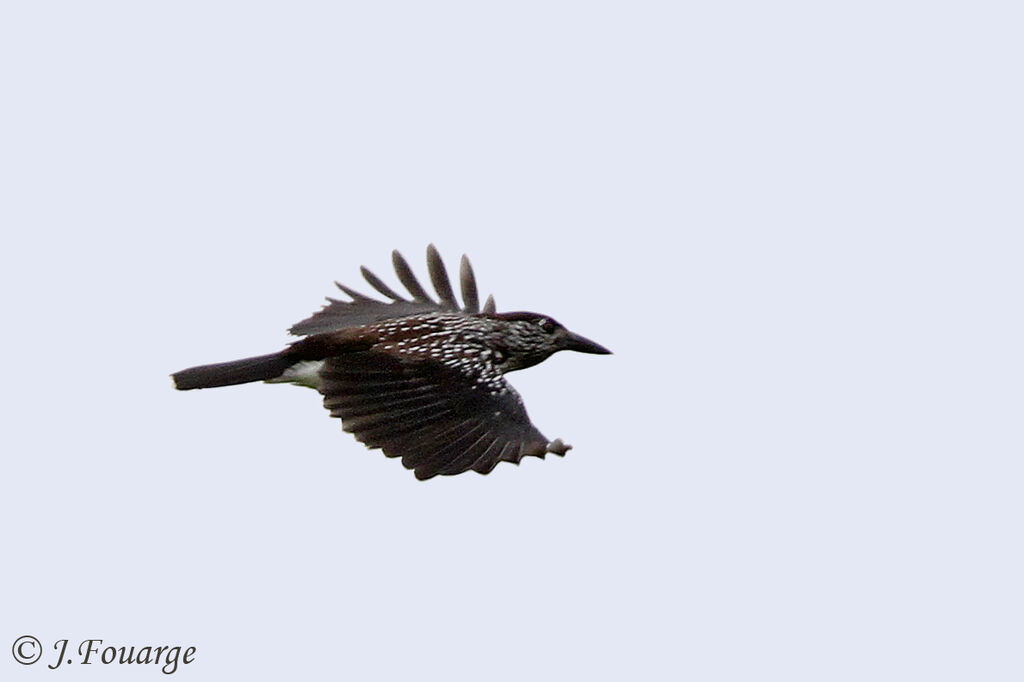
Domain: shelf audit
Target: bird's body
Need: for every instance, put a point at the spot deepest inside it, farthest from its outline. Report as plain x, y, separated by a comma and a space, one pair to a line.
422, 380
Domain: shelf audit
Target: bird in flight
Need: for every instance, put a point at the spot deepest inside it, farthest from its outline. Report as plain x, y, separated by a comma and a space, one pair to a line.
421, 379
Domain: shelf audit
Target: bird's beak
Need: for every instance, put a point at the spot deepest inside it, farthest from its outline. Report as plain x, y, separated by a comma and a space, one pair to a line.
583, 345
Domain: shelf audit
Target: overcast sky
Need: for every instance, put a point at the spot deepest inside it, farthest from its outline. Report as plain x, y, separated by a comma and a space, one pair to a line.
797, 225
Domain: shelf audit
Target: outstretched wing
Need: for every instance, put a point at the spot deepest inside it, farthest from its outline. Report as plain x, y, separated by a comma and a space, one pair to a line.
436, 418
362, 309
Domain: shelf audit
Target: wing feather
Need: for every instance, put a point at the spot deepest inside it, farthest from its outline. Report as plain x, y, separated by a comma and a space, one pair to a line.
356, 296
408, 278
378, 284
448, 447
467, 282
439, 278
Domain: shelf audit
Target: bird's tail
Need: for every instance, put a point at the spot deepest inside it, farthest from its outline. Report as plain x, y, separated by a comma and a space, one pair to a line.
260, 368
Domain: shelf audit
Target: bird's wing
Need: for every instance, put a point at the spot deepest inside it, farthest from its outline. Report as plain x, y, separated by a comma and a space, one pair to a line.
362, 309
438, 419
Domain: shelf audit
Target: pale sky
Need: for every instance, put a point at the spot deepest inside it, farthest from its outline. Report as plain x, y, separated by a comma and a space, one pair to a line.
798, 227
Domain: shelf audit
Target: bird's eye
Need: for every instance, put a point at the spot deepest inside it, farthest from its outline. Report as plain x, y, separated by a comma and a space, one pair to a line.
499, 356
547, 325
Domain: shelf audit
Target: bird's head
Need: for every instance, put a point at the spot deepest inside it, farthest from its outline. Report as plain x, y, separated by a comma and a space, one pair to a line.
529, 338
